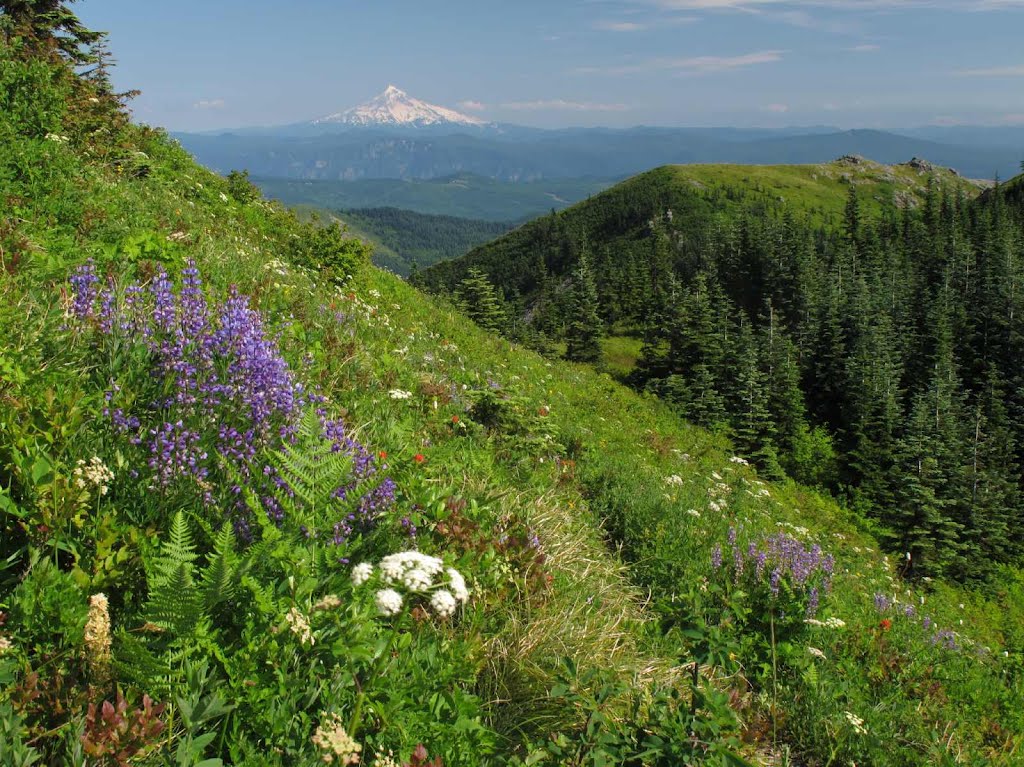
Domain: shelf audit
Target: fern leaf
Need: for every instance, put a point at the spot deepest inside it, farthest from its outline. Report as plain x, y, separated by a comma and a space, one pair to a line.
220, 574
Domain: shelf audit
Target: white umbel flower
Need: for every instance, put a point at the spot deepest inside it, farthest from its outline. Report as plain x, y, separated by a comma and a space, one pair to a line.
361, 573
389, 602
816, 653
399, 394
417, 580
444, 603
457, 584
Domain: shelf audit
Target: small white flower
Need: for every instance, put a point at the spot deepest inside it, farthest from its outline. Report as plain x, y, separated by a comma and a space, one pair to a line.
299, 626
417, 580
739, 460
856, 722
835, 623
5, 645
693, 513
443, 603
389, 602
361, 573
816, 653
399, 394
674, 480
457, 584
223, 197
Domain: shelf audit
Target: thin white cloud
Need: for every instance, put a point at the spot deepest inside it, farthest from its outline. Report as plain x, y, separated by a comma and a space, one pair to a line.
606, 25
1015, 119
470, 105
864, 48
562, 105
778, 109
209, 104
1014, 71
692, 65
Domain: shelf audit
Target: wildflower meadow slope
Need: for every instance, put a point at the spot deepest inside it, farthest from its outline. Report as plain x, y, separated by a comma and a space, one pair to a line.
263, 504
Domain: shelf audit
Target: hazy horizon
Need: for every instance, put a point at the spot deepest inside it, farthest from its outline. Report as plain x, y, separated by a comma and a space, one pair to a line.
613, 63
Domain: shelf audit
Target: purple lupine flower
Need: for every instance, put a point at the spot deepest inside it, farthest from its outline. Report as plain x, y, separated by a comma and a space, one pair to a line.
83, 283
882, 603
218, 365
716, 557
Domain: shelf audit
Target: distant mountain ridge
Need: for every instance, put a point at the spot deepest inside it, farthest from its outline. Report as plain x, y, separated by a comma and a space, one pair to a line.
427, 151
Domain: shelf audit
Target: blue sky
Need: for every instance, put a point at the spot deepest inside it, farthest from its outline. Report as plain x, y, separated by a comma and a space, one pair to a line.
205, 64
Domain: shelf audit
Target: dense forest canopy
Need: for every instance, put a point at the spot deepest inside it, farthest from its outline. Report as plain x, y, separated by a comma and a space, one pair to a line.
868, 340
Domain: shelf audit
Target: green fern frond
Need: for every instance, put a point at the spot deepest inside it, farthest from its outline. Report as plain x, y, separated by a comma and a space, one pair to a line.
263, 596
313, 471
177, 550
220, 575
135, 664
175, 604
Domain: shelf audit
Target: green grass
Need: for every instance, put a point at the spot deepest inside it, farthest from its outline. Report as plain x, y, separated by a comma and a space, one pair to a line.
620, 354
820, 191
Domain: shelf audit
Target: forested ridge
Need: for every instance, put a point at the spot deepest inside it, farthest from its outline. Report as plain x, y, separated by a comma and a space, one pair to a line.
867, 341
409, 240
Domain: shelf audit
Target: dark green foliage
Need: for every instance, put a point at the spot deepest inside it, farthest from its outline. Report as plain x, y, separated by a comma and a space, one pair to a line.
411, 240
875, 353
327, 250
583, 327
46, 23
241, 188
479, 300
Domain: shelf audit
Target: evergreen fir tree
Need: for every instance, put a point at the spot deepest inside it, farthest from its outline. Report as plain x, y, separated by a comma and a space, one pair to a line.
478, 298
584, 329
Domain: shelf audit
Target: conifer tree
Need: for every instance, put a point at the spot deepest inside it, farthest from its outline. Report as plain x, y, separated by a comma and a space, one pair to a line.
478, 298
49, 22
584, 329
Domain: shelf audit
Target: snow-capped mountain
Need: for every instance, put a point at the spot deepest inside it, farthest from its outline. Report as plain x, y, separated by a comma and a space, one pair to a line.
394, 107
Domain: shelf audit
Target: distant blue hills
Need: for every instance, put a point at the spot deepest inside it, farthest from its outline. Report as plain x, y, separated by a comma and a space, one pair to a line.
514, 154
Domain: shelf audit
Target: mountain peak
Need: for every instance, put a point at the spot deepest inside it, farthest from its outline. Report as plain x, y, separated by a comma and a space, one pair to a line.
395, 107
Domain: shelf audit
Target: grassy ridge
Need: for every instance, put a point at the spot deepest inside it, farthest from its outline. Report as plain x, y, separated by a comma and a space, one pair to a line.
696, 194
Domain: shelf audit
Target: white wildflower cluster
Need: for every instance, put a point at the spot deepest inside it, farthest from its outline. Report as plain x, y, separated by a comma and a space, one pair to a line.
299, 625
399, 394
361, 573
674, 481
329, 602
816, 653
717, 492
277, 267
828, 623
386, 760
57, 138
856, 723
97, 636
93, 474
415, 573
5, 645
741, 461
335, 744
370, 313
693, 513
389, 602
